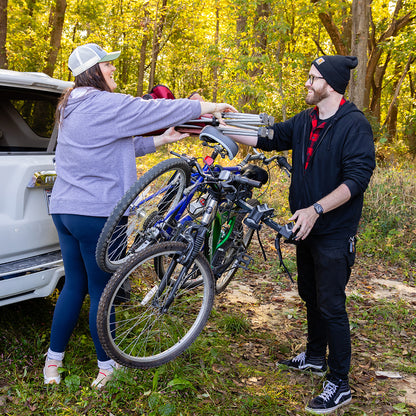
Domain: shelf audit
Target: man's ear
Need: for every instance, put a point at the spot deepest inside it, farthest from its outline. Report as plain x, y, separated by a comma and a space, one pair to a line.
329, 88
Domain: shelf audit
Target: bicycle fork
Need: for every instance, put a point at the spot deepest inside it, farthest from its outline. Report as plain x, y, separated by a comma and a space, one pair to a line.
196, 237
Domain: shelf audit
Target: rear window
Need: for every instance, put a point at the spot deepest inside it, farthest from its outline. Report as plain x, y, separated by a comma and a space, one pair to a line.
26, 119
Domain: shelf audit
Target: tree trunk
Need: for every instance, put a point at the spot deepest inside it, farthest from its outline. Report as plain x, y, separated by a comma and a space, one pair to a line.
57, 23
262, 12
143, 49
157, 34
374, 73
360, 33
3, 34
397, 23
333, 33
217, 38
391, 119
377, 88
279, 57
411, 130
142, 64
241, 27
411, 140
340, 41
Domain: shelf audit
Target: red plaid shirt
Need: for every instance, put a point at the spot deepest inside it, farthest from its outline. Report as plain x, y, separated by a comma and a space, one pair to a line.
316, 131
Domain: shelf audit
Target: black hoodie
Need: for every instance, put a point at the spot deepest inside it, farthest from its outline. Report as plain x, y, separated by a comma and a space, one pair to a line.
344, 153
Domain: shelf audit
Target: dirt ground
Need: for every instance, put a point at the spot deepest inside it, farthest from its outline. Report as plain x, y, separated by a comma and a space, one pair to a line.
273, 306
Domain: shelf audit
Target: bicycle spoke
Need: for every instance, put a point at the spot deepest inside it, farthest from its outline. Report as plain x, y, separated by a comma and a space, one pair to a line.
131, 225
138, 331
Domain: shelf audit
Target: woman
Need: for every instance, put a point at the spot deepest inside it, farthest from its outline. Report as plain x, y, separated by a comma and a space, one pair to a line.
98, 141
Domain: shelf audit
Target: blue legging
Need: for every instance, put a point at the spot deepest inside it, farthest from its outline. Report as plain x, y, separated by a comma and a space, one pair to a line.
78, 236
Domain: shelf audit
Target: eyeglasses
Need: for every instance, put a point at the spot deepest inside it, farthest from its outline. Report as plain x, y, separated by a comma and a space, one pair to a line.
312, 78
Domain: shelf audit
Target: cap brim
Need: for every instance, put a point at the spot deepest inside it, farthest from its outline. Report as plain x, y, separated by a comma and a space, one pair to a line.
110, 56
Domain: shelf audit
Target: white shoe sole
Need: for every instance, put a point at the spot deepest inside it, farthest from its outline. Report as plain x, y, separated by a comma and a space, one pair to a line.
51, 380
326, 411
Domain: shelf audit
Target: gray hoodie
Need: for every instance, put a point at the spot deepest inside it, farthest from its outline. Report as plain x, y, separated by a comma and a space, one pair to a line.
97, 147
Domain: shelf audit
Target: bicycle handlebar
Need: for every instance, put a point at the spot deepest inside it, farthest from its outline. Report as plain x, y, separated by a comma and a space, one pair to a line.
280, 160
283, 163
262, 214
246, 181
225, 175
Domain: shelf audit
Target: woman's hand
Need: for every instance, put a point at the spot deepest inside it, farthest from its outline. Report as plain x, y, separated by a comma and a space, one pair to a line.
216, 108
220, 108
169, 136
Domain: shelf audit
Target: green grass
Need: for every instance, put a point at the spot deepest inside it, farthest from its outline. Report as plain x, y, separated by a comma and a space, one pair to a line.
230, 369
389, 216
202, 376
235, 324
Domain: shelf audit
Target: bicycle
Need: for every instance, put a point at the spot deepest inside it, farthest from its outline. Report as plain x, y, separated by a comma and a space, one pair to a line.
171, 195
172, 284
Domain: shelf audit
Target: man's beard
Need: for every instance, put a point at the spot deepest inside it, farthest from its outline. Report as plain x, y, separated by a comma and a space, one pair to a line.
316, 97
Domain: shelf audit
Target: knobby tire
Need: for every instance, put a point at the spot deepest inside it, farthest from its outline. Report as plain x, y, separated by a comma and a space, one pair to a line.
133, 214
132, 327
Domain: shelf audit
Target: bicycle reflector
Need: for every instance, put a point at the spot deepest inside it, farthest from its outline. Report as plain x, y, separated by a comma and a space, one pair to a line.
208, 160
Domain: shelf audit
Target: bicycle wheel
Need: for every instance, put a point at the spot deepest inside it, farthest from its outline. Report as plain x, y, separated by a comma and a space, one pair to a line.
225, 260
143, 330
129, 227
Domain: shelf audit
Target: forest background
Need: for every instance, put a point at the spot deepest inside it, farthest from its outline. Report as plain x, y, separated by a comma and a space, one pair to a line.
254, 54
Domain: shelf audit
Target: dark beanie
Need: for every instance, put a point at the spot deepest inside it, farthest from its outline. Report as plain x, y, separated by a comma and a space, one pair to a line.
336, 70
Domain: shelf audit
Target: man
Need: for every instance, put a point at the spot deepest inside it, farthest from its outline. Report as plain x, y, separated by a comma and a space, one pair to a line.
333, 160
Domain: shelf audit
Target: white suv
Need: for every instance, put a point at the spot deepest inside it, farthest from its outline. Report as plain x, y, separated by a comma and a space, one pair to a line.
30, 258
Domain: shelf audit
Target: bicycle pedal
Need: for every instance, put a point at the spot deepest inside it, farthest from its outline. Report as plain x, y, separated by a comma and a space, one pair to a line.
244, 260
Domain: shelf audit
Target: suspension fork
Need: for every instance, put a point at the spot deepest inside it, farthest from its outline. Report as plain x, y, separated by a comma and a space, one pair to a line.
187, 262
196, 243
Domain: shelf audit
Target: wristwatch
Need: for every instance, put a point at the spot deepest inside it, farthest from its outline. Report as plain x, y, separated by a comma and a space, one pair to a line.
318, 208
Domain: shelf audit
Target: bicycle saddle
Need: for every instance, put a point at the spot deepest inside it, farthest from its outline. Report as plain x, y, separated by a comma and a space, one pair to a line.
213, 135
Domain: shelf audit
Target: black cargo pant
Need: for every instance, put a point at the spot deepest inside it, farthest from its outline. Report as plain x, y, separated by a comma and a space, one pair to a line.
324, 268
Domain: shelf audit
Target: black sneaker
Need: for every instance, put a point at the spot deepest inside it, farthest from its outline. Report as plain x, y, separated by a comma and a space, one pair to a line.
336, 393
307, 364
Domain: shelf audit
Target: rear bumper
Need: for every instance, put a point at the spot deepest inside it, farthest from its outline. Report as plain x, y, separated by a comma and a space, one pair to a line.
30, 278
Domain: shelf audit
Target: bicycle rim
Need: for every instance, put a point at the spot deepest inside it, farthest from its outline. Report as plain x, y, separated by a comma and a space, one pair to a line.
132, 226
133, 329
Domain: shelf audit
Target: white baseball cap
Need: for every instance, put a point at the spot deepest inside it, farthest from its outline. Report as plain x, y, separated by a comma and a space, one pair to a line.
86, 56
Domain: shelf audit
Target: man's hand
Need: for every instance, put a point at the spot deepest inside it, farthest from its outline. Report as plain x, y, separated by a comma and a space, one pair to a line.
304, 221
306, 218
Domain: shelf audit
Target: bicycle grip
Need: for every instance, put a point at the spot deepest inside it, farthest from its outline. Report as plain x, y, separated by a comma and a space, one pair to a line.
246, 181
282, 161
286, 231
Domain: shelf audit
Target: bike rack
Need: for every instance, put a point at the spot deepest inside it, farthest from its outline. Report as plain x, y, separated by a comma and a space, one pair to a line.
257, 125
